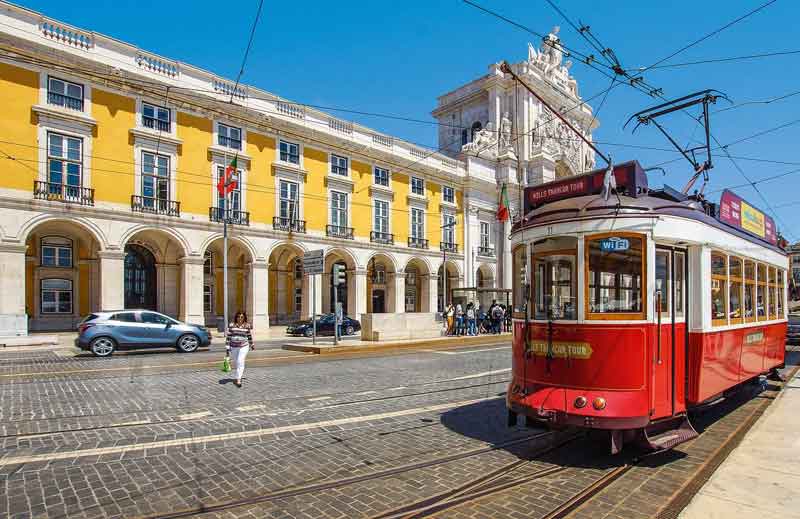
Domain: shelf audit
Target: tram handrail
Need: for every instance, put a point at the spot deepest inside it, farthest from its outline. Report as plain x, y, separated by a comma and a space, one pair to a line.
658, 331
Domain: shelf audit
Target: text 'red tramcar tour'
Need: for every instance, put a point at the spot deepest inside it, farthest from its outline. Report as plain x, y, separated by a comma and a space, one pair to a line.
631, 309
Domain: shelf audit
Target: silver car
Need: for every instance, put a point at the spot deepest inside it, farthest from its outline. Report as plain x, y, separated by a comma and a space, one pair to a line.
104, 332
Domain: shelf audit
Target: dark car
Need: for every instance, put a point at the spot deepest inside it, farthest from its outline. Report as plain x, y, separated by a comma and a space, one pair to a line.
793, 334
325, 326
104, 332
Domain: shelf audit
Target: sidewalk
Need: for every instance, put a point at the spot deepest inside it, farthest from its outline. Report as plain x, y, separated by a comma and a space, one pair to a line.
761, 477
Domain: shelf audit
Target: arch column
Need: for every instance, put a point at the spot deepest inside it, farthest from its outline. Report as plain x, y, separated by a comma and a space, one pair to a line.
112, 280
167, 299
357, 293
312, 297
258, 295
432, 292
13, 318
397, 293
192, 280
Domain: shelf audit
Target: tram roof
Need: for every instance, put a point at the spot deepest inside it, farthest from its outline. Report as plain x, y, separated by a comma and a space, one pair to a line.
579, 198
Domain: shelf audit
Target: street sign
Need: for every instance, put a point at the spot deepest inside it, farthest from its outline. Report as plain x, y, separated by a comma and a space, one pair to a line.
339, 313
313, 262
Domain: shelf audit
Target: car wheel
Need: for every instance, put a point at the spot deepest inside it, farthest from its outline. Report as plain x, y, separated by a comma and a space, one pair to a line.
349, 330
308, 332
102, 346
188, 343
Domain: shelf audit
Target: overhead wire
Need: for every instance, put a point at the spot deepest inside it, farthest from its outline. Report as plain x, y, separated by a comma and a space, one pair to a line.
718, 60
247, 50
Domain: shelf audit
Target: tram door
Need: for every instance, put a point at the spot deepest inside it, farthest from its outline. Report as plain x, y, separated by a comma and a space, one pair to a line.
668, 354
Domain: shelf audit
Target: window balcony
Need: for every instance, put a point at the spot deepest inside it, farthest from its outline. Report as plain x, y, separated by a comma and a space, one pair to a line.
381, 237
448, 247
288, 225
235, 144
486, 251
156, 124
417, 243
217, 214
151, 205
63, 193
73, 103
336, 231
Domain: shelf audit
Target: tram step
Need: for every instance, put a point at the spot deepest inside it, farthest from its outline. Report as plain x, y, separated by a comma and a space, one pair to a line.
666, 436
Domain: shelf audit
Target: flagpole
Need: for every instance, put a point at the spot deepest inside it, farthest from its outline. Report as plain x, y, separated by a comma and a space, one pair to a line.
225, 260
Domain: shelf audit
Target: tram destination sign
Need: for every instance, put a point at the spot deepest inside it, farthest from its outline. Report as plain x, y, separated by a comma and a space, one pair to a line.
736, 212
631, 181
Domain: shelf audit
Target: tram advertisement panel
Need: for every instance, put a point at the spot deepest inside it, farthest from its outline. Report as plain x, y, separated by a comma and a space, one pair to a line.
736, 212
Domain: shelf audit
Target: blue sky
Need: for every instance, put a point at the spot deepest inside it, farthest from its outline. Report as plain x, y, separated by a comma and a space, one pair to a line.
396, 57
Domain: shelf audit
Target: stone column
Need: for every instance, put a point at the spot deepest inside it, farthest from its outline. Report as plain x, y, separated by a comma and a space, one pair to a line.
258, 295
192, 280
472, 240
112, 280
432, 292
282, 302
312, 298
541, 169
357, 293
397, 294
168, 298
13, 319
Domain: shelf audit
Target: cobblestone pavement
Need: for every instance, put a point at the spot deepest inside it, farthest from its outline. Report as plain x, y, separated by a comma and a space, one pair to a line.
317, 438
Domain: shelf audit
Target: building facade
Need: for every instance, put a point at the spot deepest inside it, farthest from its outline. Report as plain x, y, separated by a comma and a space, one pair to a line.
111, 156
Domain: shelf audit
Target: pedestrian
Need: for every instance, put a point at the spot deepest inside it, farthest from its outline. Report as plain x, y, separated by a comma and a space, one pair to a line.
459, 319
497, 317
449, 314
471, 330
238, 343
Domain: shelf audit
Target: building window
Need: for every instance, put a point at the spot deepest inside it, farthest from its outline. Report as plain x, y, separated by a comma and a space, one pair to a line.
338, 165
381, 177
156, 117
64, 164
485, 236
56, 296
464, 136
208, 298
379, 275
155, 178
298, 300
208, 263
448, 229
417, 223
476, 127
56, 252
338, 209
298, 269
448, 194
381, 217
417, 186
64, 93
229, 136
234, 196
290, 152
289, 207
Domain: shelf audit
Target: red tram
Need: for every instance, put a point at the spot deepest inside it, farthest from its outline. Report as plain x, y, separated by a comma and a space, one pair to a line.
631, 310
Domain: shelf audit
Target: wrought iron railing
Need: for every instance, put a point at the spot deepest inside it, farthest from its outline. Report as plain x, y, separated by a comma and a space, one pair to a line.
288, 224
417, 243
486, 251
448, 247
386, 238
156, 124
218, 214
63, 193
72, 103
228, 142
152, 205
336, 231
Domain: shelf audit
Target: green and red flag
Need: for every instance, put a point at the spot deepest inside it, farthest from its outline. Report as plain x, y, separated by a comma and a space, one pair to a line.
227, 182
502, 204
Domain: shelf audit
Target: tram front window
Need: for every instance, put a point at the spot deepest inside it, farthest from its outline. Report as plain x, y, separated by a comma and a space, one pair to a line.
615, 270
554, 281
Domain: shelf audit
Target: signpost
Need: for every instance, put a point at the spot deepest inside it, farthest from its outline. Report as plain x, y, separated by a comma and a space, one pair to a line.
338, 279
313, 264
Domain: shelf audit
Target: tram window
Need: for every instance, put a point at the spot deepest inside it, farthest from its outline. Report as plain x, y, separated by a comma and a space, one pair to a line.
780, 294
772, 290
719, 289
736, 290
761, 292
749, 290
518, 267
554, 279
662, 279
680, 266
615, 265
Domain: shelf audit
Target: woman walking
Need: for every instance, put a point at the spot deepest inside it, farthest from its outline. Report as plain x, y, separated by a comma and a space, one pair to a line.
238, 343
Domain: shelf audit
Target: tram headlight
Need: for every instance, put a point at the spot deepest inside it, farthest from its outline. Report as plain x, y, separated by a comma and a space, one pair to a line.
580, 402
599, 403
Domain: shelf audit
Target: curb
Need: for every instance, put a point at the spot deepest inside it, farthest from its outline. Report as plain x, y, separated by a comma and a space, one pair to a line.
442, 342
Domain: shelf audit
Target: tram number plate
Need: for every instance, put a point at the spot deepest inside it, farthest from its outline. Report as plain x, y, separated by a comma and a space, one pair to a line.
614, 244
562, 349
754, 338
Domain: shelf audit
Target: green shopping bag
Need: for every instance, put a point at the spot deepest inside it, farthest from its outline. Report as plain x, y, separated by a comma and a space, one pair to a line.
226, 365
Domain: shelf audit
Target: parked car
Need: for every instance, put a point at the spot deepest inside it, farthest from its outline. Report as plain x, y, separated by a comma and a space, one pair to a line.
324, 326
104, 332
793, 334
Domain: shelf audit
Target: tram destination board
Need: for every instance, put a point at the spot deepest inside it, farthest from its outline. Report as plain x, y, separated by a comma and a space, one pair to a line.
738, 213
631, 181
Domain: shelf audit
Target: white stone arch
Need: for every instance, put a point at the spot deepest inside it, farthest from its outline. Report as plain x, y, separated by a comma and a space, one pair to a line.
420, 259
169, 231
343, 252
488, 272
283, 258
29, 226
420, 291
383, 254
356, 282
238, 239
292, 243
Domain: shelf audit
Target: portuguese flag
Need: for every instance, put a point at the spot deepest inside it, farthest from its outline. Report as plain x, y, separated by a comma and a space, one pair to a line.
502, 204
228, 181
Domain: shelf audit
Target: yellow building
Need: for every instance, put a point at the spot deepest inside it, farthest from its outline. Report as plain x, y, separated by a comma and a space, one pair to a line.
111, 156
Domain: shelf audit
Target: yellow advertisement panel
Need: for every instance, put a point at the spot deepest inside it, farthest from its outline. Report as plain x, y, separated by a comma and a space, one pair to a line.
752, 219
562, 349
